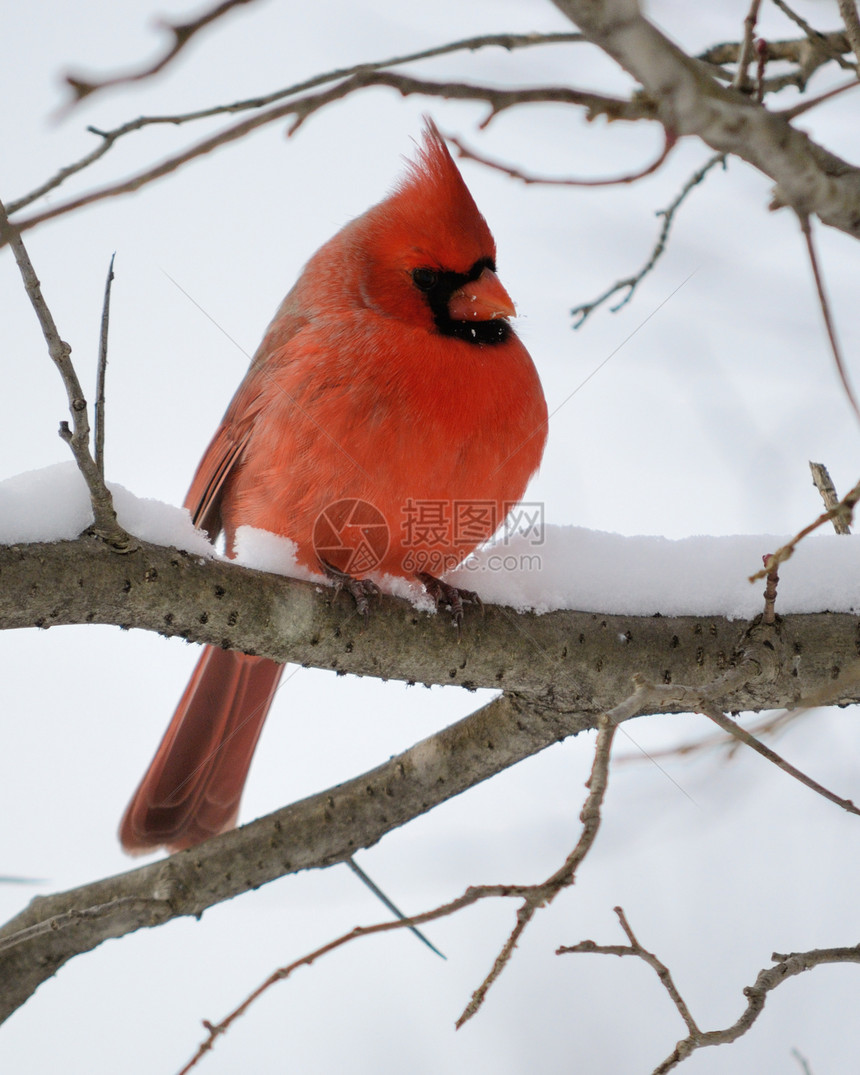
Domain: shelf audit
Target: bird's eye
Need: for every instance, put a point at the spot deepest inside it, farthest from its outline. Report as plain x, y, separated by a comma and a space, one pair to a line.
425, 279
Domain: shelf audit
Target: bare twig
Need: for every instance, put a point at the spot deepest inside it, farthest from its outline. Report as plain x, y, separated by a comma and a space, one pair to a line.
471, 896
182, 34
528, 178
786, 966
510, 42
806, 55
719, 718
844, 509
809, 104
771, 724
824, 484
819, 40
305, 106
534, 897
761, 67
542, 895
636, 949
741, 81
99, 405
825, 312
583, 312
769, 615
650, 695
78, 438
848, 11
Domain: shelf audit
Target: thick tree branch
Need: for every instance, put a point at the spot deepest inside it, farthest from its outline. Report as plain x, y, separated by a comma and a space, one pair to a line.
319, 831
581, 659
691, 102
563, 670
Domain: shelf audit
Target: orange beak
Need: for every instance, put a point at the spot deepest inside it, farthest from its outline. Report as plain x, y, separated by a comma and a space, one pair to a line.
483, 299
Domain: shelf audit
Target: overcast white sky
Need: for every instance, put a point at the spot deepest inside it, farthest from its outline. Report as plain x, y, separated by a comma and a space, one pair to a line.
719, 390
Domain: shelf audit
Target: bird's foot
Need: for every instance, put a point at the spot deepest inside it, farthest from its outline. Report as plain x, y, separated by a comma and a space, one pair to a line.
449, 597
360, 590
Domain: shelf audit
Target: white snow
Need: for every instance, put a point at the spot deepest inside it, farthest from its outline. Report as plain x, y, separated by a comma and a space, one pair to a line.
595, 571
562, 567
53, 504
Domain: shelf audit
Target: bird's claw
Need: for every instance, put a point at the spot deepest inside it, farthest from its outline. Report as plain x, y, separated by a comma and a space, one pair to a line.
360, 590
450, 597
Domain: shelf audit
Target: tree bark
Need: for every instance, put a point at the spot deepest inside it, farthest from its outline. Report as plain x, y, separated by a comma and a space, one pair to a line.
690, 101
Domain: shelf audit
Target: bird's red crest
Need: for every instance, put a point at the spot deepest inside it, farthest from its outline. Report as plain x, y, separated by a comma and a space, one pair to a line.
433, 207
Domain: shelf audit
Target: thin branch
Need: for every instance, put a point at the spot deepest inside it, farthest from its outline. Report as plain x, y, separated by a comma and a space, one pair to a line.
761, 68
808, 105
719, 718
824, 484
772, 578
825, 305
510, 42
825, 695
844, 510
542, 895
78, 438
534, 897
182, 33
786, 966
472, 895
636, 949
99, 405
303, 107
818, 39
825, 312
650, 696
848, 11
584, 311
528, 178
741, 81
808, 57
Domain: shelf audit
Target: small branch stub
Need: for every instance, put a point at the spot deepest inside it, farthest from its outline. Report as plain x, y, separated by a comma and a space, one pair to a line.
824, 484
770, 590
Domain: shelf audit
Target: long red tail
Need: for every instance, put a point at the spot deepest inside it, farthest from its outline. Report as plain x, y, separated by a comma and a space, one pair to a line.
192, 788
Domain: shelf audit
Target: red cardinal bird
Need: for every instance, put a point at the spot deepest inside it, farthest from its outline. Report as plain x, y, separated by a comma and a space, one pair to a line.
389, 378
